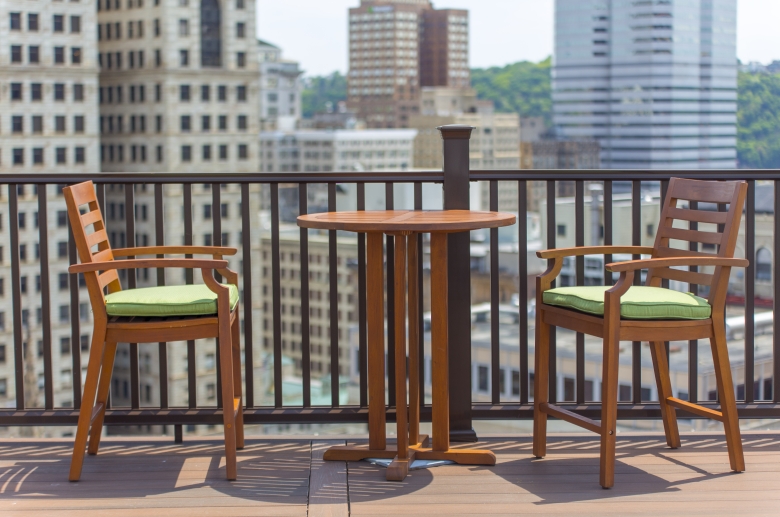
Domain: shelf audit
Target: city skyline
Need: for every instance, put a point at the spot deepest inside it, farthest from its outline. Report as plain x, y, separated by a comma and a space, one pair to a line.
526, 27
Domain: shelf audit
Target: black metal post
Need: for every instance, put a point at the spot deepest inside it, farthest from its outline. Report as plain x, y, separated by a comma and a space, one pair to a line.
456, 197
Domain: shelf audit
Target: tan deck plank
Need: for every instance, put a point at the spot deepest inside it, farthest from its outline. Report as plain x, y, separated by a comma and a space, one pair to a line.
328, 495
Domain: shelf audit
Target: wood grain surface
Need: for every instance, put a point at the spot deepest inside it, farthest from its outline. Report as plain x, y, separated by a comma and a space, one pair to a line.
420, 221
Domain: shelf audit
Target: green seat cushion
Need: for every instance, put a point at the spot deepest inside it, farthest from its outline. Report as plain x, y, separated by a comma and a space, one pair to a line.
639, 302
174, 300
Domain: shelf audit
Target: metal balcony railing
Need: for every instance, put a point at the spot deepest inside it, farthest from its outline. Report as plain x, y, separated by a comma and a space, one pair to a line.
456, 179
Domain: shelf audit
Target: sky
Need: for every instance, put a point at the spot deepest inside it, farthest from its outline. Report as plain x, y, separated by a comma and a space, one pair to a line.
314, 32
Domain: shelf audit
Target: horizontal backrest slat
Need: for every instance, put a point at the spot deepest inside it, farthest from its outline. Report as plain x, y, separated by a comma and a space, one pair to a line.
96, 238
691, 235
664, 252
698, 216
690, 277
91, 218
107, 277
702, 191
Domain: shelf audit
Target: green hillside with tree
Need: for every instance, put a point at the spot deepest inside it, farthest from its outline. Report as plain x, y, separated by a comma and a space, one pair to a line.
524, 88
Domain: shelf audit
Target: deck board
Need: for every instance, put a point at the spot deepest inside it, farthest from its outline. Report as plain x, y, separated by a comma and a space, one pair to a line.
287, 478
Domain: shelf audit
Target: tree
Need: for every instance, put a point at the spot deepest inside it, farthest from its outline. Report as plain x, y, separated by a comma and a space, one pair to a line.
758, 121
522, 88
319, 91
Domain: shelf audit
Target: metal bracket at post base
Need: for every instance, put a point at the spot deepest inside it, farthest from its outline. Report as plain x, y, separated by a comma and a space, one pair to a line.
456, 197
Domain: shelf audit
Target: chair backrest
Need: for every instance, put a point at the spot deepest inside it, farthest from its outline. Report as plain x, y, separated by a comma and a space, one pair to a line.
92, 246
705, 222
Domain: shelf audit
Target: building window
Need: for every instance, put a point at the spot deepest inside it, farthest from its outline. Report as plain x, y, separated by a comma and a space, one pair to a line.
34, 54
59, 92
59, 55
210, 37
239, 4
184, 93
223, 152
184, 27
75, 24
78, 123
240, 30
59, 123
185, 123
223, 123
156, 27
158, 123
242, 124
186, 153
241, 59
80, 155
16, 53
37, 156
157, 92
206, 153
205, 123
222, 93
561, 230
764, 265
36, 92
16, 91
17, 124
159, 153
184, 58
243, 151
205, 93
78, 92
75, 55
16, 21
241, 93
61, 154
37, 124
32, 22
58, 23
157, 58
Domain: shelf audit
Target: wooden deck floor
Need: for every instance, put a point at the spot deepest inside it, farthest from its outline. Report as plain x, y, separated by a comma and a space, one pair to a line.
287, 477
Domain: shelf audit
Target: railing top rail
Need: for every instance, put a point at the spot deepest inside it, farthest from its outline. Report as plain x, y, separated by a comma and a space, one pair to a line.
623, 175
178, 178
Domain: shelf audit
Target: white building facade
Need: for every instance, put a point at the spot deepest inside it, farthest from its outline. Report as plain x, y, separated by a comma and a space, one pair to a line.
654, 82
280, 89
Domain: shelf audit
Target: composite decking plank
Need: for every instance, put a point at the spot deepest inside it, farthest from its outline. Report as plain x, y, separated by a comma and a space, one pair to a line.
328, 495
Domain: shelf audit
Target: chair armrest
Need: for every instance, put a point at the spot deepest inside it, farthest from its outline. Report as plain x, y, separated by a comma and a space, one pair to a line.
216, 251
148, 263
594, 250
634, 265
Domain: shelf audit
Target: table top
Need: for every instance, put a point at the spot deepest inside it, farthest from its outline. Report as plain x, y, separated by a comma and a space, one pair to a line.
419, 221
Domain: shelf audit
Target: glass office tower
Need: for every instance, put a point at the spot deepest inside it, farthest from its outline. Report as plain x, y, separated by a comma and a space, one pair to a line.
653, 81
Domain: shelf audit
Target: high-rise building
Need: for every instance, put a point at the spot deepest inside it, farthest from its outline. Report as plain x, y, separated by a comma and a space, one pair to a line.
396, 48
48, 124
280, 89
655, 82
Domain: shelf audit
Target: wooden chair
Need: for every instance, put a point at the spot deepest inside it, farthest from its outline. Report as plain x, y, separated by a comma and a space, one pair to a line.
613, 328
216, 319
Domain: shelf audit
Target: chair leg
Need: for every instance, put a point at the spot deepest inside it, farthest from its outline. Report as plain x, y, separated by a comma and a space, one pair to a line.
609, 385
87, 402
228, 415
235, 333
728, 404
664, 384
541, 385
104, 385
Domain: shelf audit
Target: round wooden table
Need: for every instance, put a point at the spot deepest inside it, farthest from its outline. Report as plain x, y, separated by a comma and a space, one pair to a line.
404, 225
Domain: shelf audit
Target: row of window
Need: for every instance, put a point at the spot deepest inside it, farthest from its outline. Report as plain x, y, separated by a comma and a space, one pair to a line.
137, 93
138, 153
185, 123
34, 55
37, 126
34, 25
36, 92
136, 59
108, 5
135, 29
37, 155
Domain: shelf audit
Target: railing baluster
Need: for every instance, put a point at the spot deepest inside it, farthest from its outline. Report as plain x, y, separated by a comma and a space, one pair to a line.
246, 249
333, 271
43, 239
607, 229
303, 209
551, 238
495, 351
16, 295
276, 292
776, 298
693, 345
159, 240
73, 288
750, 292
135, 392
522, 236
362, 329
636, 240
418, 205
216, 240
390, 297
579, 239
192, 382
